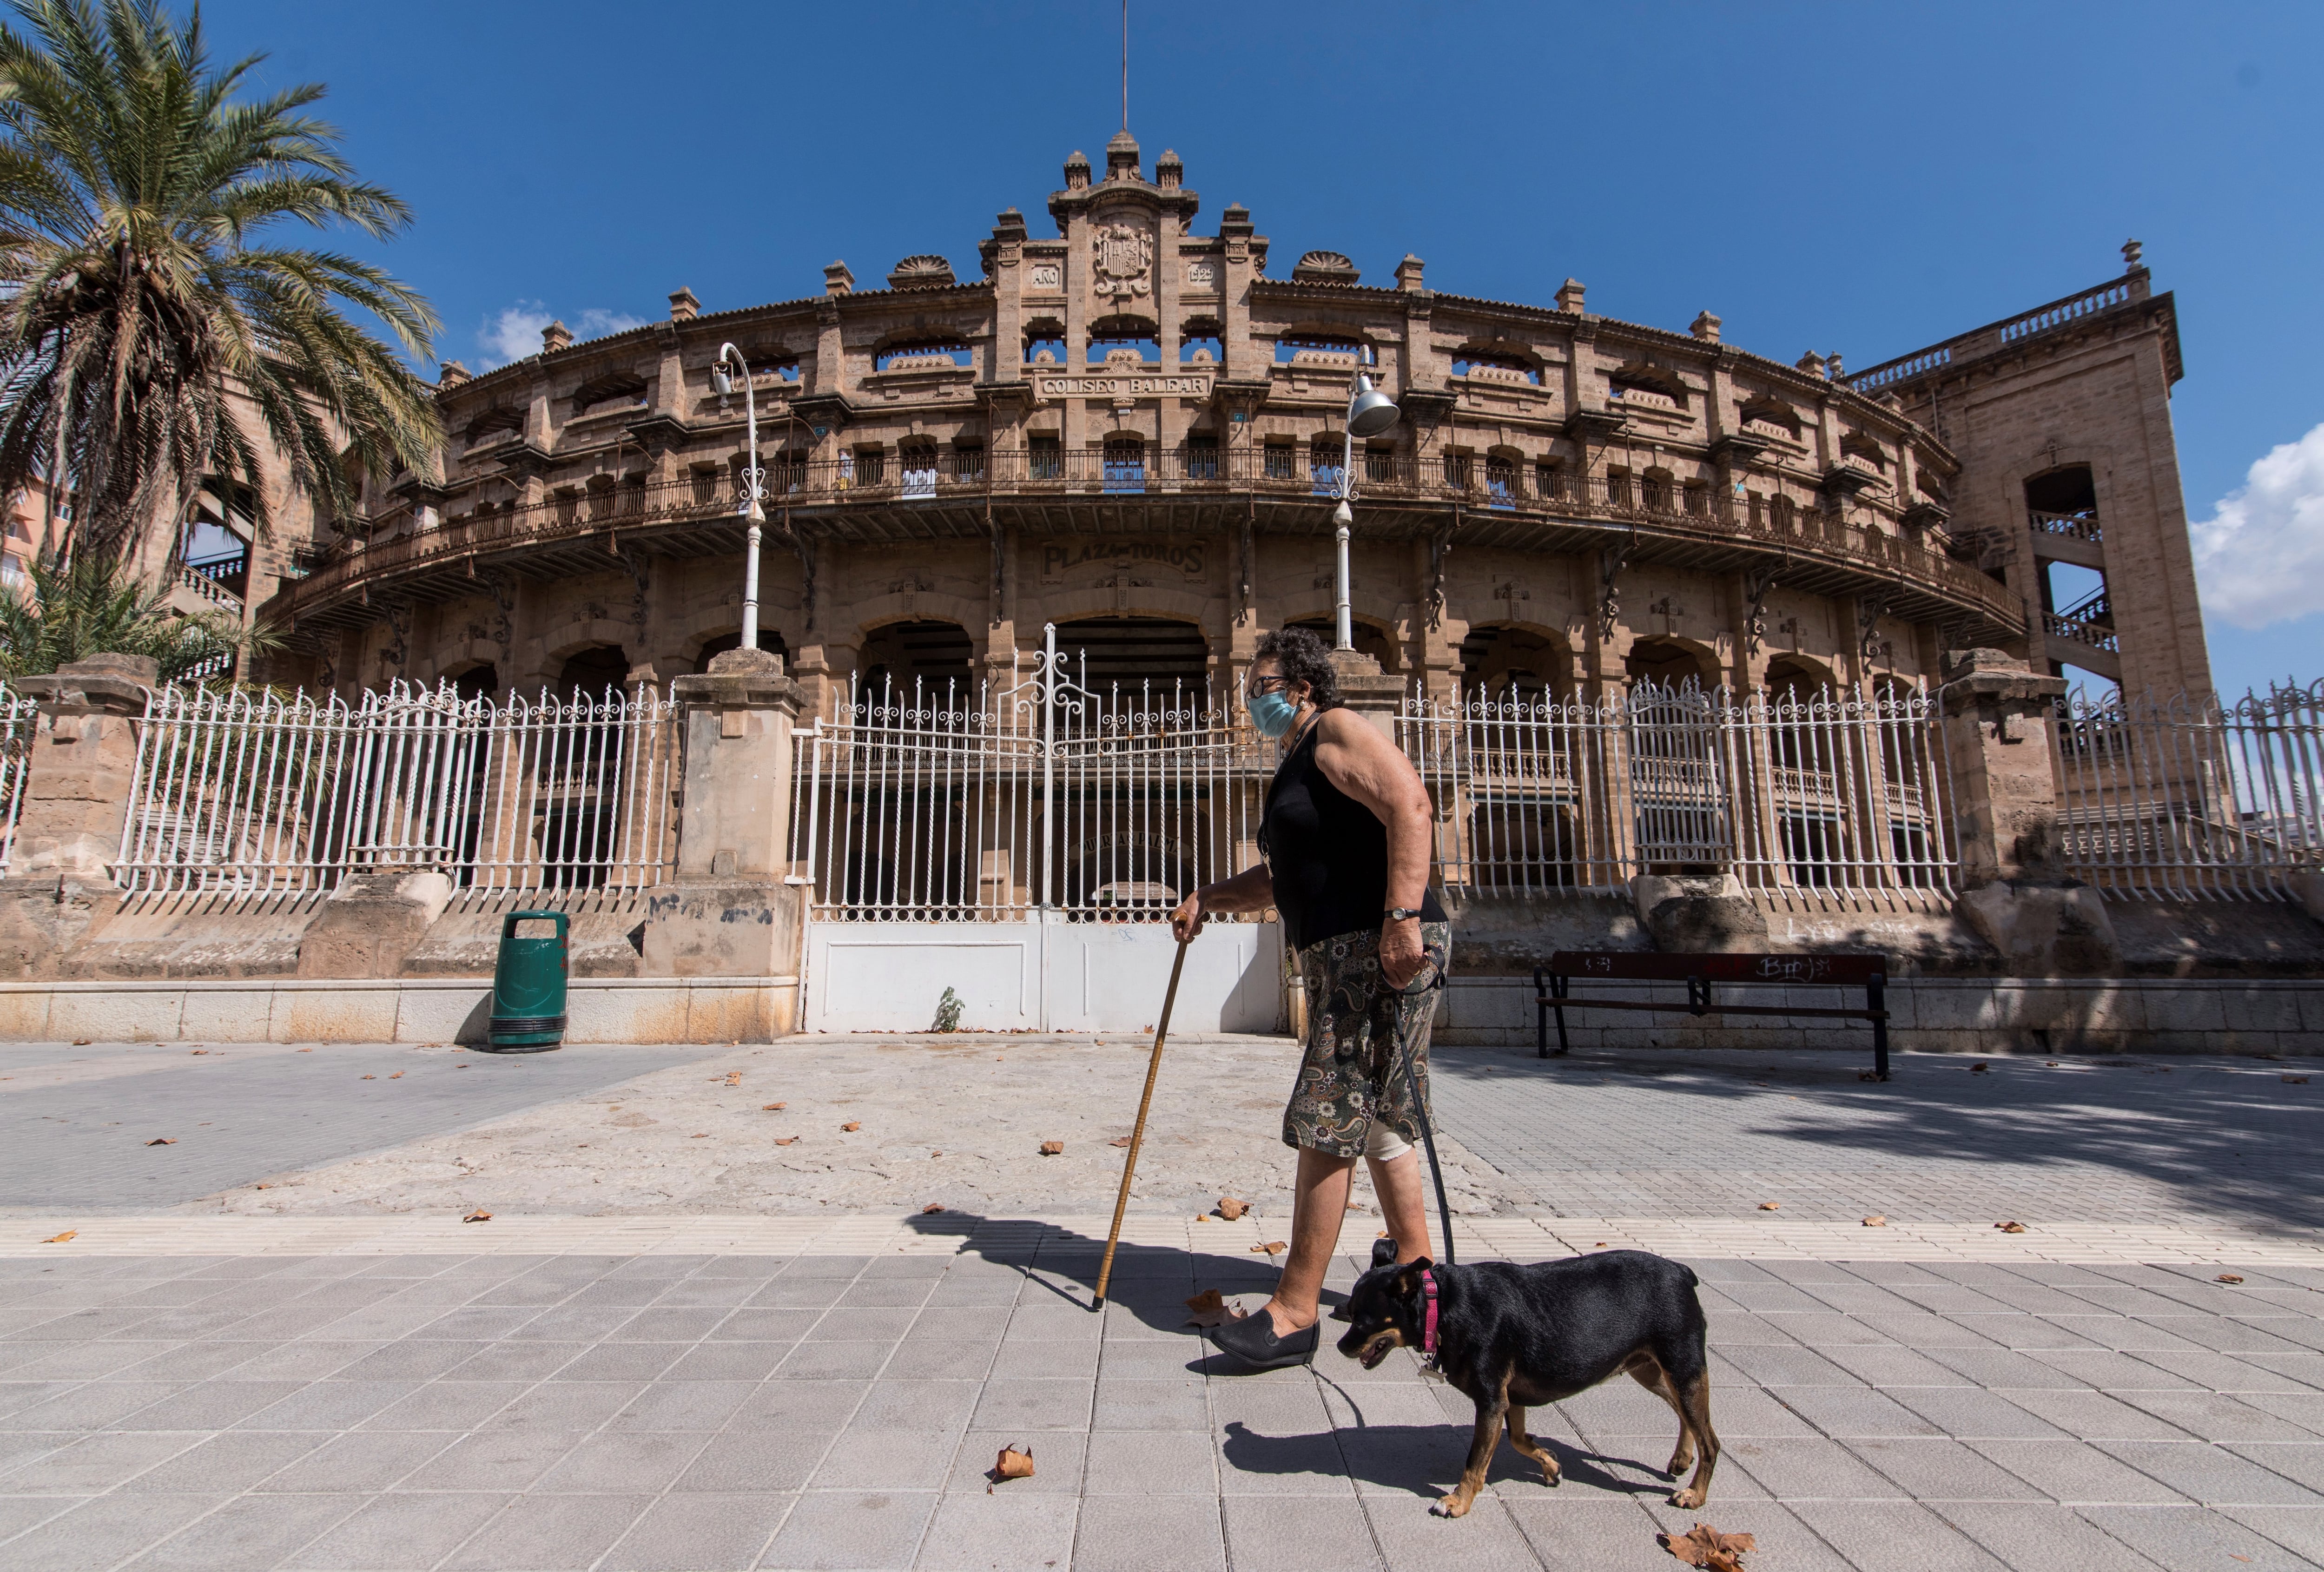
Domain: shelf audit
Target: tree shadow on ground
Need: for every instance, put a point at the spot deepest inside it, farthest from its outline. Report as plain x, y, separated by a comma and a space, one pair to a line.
2227, 1138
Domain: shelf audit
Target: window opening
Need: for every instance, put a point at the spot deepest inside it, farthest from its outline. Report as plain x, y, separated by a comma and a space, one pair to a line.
1324, 467
1500, 481
1279, 461
1125, 464
923, 356
1493, 367
1044, 457
1322, 349
1202, 456
916, 461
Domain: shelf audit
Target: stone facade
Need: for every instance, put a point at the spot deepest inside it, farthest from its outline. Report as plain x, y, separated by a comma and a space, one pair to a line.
1132, 430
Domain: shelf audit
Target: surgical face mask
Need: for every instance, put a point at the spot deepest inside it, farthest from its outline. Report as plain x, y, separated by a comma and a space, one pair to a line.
1271, 713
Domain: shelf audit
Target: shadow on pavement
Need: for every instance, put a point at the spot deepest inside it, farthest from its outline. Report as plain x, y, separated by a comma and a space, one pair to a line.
2229, 1136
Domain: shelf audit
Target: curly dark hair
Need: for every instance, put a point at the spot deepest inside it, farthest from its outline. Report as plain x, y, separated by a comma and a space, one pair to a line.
1304, 658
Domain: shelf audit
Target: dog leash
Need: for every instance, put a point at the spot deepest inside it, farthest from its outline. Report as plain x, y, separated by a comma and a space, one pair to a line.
1428, 1140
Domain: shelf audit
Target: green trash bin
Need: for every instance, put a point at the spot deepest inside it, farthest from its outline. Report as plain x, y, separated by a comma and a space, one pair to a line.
528, 987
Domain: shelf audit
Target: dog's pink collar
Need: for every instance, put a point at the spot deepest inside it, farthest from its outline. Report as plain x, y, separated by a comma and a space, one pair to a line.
1428, 1326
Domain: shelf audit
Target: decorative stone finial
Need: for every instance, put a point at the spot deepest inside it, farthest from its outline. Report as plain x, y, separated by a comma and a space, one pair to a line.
924, 272
683, 306
1705, 328
1812, 363
2132, 251
452, 374
1008, 224
1569, 295
1834, 368
1168, 172
1121, 157
556, 336
1407, 274
1324, 267
1235, 221
837, 280
1077, 171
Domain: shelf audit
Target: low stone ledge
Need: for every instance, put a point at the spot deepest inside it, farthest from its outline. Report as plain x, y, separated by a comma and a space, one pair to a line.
629, 1010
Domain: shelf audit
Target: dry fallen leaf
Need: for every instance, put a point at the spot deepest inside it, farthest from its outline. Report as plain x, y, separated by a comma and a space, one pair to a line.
699, 1135
2050, 1063
1202, 1217
1053, 1149
1272, 1247
60, 1238
1230, 1208
785, 1140
199, 1050
2295, 1081
937, 1153
773, 1107
1210, 1309
262, 1186
396, 1076
164, 1141
80, 1042
306, 1050
734, 1078
1866, 1075
2011, 1227
1119, 1140
853, 1124
1013, 1464
2229, 1277
1876, 1221
370, 1077
1980, 1068
931, 1207
1705, 1547
479, 1216
1771, 1206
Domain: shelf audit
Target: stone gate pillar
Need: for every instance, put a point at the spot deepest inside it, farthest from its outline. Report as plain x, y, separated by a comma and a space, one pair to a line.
729, 913
79, 770
2015, 890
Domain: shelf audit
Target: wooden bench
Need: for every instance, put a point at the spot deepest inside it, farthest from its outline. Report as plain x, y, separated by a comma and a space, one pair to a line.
1552, 987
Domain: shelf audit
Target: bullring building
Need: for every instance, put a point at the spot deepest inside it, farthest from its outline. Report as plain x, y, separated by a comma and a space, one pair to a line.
1131, 429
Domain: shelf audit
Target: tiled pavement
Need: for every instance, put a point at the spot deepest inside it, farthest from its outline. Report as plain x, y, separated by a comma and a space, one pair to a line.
504, 1410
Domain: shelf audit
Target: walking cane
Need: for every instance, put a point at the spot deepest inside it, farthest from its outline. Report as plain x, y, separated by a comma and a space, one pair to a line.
1137, 1130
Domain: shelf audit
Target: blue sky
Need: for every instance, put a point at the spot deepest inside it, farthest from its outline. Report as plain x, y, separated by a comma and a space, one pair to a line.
1862, 178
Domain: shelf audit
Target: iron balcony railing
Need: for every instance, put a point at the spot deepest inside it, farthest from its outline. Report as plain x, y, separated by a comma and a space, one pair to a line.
1792, 518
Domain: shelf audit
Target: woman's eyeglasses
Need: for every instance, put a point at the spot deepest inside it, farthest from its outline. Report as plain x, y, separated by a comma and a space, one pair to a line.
1262, 685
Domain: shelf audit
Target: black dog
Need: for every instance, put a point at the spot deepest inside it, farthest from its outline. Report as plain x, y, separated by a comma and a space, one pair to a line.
1511, 1336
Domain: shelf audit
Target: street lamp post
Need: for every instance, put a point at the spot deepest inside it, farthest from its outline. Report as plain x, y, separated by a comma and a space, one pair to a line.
754, 506
1370, 412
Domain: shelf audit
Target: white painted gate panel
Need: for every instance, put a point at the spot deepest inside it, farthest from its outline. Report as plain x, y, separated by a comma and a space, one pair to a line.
1052, 975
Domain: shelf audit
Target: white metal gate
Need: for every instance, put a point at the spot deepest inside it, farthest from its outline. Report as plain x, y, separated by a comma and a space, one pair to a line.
1021, 848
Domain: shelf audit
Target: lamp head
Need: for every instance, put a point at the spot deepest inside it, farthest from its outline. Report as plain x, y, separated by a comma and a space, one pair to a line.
720, 378
1372, 412
1342, 516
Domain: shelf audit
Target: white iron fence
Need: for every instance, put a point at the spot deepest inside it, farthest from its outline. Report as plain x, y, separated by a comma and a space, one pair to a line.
2191, 798
16, 716
255, 792
955, 803
1830, 800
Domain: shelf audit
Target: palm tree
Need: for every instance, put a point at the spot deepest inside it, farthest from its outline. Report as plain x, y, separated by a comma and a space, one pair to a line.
93, 607
142, 321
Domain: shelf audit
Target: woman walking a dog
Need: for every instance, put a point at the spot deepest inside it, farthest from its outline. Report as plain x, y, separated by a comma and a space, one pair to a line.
1344, 842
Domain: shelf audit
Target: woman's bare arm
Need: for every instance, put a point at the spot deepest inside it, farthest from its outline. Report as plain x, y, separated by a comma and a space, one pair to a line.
1252, 890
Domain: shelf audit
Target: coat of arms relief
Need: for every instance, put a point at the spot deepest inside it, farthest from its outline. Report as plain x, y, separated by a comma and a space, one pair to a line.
1123, 259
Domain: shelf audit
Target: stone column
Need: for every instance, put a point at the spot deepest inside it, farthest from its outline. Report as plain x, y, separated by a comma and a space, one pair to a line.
2014, 891
78, 775
731, 913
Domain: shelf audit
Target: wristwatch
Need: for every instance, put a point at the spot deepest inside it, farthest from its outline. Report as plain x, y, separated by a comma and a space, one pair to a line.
1399, 914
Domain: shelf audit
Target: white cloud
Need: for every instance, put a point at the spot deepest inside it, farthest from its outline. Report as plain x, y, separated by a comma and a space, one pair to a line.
2260, 557
515, 333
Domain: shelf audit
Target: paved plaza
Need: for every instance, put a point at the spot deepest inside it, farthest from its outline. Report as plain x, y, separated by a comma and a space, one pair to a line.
676, 1344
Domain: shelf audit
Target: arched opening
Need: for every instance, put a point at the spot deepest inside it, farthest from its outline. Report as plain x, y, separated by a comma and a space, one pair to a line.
1125, 337
1133, 651
767, 640
1797, 677
588, 674
1125, 464
1515, 664
932, 654
1668, 663
482, 681
1367, 639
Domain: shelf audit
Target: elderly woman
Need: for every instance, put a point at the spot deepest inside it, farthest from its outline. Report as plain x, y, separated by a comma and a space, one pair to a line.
1344, 840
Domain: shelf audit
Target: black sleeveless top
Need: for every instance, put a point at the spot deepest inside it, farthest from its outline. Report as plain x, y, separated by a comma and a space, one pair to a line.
1326, 852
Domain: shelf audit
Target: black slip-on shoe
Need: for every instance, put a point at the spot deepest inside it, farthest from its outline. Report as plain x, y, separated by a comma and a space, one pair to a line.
1253, 1341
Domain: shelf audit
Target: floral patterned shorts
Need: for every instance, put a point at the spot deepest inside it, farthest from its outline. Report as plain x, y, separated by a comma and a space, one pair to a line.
1359, 1033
